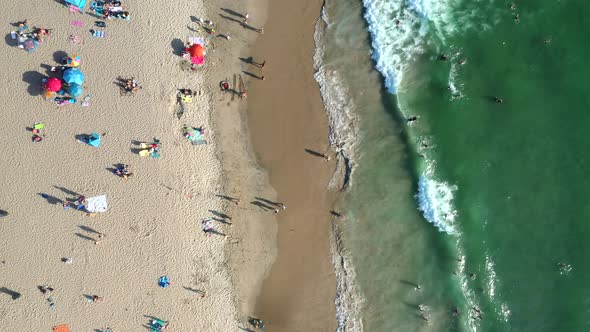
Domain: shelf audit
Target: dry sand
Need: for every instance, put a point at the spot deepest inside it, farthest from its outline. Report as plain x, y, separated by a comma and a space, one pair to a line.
153, 224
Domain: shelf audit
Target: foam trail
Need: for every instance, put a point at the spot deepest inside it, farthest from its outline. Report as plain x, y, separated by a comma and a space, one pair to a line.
340, 110
401, 30
435, 200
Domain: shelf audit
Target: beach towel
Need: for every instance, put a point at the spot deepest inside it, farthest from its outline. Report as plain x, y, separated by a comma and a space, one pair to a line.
199, 142
99, 34
77, 23
97, 204
196, 40
61, 328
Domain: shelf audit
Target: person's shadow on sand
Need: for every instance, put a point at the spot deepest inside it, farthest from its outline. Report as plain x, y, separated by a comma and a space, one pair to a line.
50, 199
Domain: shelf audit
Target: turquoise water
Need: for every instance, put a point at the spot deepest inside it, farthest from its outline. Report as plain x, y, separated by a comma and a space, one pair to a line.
501, 185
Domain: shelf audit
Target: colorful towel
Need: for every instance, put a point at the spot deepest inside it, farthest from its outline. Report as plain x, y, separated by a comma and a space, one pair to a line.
77, 23
99, 34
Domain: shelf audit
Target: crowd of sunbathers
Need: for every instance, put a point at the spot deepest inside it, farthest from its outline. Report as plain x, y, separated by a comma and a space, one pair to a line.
24, 32
110, 9
131, 86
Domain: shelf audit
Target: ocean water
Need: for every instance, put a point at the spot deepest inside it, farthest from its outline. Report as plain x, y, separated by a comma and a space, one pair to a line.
483, 204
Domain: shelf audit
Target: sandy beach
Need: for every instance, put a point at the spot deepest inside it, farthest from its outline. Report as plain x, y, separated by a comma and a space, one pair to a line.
299, 293
153, 224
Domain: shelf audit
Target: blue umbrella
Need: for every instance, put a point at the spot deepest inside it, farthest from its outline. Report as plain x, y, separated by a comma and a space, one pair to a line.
94, 140
30, 45
75, 90
73, 76
164, 281
78, 3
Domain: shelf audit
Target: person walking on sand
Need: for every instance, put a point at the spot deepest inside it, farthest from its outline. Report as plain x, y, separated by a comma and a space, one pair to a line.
259, 65
325, 156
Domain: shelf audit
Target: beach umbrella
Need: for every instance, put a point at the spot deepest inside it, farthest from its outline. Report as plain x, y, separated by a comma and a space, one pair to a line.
73, 76
196, 50
75, 90
74, 60
78, 3
198, 60
164, 281
97, 204
53, 84
30, 45
48, 94
94, 140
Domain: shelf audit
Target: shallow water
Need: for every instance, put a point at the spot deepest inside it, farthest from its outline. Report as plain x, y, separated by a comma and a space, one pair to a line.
502, 185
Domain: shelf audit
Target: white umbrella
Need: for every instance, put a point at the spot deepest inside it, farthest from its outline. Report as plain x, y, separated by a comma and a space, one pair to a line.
97, 204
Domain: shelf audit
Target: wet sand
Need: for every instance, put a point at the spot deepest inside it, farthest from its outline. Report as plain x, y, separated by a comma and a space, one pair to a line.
286, 117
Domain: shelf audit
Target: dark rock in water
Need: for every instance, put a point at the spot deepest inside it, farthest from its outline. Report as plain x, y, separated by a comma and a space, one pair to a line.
3, 213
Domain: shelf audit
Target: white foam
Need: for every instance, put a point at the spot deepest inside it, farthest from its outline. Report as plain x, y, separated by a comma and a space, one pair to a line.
435, 200
342, 120
338, 103
422, 24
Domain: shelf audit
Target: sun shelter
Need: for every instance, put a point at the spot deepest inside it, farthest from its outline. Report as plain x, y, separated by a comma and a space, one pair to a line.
196, 50
198, 60
94, 140
74, 60
97, 204
48, 94
75, 90
53, 84
73, 76
164, 281
77, 3
61, 328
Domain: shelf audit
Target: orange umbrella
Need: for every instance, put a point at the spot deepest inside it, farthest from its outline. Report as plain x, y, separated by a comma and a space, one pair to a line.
48, 94
196, 50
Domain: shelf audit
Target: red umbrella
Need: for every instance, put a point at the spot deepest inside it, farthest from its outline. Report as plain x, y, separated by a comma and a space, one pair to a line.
53, 84
198, 60
196, 50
